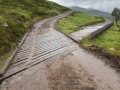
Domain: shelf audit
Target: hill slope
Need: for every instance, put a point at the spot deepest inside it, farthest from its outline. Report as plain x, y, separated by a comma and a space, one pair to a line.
92, 12
16, 16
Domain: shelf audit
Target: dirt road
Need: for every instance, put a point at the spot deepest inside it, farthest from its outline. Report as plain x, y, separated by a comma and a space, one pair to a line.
55, 62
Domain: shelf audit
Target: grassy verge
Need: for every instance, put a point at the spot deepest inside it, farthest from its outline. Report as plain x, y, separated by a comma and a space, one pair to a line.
4, 58
77, 21
109, 41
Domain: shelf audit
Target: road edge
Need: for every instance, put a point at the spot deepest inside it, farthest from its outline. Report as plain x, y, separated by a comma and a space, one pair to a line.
4, 69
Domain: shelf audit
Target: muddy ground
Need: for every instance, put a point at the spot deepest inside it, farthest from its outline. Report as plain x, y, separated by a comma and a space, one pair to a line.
58, 73
65, 73
109, 59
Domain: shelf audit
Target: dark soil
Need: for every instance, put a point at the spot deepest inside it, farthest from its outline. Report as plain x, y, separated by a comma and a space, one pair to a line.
65, 78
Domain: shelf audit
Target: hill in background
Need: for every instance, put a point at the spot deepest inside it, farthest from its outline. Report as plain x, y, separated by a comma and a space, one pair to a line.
93, 12
17, 15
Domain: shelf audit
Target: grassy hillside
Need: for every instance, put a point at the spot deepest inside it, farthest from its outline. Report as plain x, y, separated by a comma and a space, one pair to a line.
18, 14
93, 12
77, 21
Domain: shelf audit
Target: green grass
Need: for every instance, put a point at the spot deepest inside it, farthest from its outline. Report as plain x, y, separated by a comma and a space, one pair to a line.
109, 39
77, 21
4, 59
2, 19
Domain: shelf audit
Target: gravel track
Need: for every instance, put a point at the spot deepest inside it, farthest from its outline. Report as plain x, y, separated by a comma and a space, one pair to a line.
52, 61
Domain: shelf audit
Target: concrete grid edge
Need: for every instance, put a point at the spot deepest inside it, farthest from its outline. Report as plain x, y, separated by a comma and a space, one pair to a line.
5, 67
